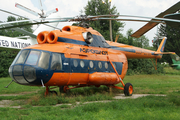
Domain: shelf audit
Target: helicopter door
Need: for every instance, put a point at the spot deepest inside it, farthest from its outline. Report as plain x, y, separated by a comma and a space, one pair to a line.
43, 65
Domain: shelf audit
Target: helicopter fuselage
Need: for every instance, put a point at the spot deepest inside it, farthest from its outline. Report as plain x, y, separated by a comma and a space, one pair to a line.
76, 56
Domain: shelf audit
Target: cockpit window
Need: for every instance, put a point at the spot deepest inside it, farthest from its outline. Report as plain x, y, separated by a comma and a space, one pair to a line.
22, 57
44, 60
33, 57
56, 63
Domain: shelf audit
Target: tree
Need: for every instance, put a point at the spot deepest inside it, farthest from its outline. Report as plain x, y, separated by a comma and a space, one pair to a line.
97, 7
13, 33
173, 40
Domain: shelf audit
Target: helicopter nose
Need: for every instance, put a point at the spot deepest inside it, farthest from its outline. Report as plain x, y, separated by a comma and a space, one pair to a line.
22, 74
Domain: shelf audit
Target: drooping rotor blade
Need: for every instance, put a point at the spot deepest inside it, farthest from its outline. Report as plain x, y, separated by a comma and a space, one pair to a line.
125, 19
27, 9
150, 25
173, 16
52, 11
13, 13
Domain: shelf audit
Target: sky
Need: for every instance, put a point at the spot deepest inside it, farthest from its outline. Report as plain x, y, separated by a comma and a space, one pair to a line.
71, 8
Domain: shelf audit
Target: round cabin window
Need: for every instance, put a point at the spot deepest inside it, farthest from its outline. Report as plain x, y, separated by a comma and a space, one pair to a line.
75, 62
82, 64
91, 64
106, 65
100, 65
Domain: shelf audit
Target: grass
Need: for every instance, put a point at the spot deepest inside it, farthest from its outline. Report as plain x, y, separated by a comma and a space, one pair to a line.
171, 71
150, 107
15, 88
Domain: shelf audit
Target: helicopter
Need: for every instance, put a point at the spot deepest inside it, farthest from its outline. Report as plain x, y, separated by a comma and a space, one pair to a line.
78, 56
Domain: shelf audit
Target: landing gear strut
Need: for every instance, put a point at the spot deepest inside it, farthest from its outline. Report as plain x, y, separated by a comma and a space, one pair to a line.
128, 88
48, 92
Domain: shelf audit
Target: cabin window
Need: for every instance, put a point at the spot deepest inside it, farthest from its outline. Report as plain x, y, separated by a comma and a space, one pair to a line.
91, 64
106, 65
82, 64
22, 57
33, 57
44, 60
75, 62
100, 65
56, 63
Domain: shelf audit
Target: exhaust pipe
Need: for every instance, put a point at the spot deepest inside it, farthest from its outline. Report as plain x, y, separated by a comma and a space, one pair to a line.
53, 36
42, 37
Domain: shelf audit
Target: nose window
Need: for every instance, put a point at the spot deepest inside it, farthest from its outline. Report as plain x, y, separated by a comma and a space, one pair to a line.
22, 57
33, 57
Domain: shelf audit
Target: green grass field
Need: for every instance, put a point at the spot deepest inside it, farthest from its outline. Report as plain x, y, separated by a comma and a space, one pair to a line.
35, 106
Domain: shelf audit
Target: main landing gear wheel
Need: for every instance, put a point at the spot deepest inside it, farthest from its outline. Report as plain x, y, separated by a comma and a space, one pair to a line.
128, 89
53, 93
63, 89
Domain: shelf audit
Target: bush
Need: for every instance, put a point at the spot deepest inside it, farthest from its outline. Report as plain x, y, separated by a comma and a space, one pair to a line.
143, 66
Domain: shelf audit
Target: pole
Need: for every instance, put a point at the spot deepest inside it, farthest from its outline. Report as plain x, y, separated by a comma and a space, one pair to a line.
110, 25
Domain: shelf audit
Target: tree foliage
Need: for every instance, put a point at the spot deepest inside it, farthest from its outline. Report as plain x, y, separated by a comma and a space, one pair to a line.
173, 40
97, 7
135, 66
142, 42
14, 33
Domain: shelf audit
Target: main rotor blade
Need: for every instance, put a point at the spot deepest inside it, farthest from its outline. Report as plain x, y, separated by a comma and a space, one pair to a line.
173, 16
27, 9
155, 18
21, 30
123, 19
13, 13
51, 11
87, 18
20, 25
27, 18
150, 25
40, 3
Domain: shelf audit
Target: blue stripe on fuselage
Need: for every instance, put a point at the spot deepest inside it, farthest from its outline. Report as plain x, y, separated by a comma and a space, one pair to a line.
67, 40
123, 49
70, 68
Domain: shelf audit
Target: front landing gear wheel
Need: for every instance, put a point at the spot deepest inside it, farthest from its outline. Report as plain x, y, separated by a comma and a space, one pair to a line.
128, 89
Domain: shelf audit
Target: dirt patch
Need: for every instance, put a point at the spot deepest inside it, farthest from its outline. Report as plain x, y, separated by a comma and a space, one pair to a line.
134, 96
9, 103
22, 93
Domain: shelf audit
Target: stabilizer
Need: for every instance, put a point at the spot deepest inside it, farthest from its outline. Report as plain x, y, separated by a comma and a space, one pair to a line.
160, 50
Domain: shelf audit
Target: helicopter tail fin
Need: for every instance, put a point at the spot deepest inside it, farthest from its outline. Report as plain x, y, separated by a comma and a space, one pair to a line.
160, 50
162, 45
